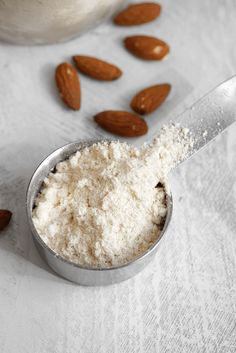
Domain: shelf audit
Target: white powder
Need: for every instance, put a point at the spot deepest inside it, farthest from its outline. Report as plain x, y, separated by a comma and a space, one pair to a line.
101, 207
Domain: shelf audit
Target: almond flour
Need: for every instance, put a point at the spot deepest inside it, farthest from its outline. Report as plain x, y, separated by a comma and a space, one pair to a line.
102, 206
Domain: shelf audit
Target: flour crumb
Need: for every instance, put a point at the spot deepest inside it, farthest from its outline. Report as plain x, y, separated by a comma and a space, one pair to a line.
106, 204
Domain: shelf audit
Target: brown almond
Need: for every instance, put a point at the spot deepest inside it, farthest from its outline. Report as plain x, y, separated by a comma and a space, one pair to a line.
96, 68
121, 123
149, 99
5, 217
68, 85
145, 47
138, 14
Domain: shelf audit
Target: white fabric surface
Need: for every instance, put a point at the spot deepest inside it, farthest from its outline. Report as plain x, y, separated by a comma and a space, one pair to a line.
186, 300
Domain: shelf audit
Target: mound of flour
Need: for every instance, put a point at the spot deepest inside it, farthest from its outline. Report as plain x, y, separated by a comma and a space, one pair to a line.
106, 204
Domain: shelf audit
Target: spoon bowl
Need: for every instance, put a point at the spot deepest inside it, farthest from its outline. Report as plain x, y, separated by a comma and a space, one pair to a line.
90, 276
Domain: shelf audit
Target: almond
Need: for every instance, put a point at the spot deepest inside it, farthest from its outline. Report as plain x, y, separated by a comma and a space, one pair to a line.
5, 217
122, 123
145, 47
96, 68
68, 85
149, 99
138, 14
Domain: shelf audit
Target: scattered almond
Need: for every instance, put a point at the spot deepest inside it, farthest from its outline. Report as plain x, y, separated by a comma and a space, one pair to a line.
68, 85
122, 123
96, 68
149, 99
5, 217
145, 47
138, 14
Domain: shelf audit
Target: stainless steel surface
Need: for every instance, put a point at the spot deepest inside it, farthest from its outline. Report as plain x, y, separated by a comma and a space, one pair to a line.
79, 274
212, 114
42, 22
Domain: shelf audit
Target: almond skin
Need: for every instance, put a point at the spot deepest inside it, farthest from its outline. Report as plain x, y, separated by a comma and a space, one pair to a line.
121, 123
96, 68
138, 14
68, 85
147, 48
149, 99
5, 217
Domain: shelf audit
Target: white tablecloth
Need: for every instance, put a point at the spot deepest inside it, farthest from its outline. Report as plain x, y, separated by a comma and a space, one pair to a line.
186, 300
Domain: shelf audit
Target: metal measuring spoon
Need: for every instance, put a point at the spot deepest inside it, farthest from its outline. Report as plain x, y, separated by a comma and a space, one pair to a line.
205, 119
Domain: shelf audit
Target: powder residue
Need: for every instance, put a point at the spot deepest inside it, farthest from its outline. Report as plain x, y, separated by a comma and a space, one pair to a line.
102, 207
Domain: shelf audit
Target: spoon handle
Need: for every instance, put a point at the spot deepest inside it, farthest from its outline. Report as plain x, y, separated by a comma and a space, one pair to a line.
212, 114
